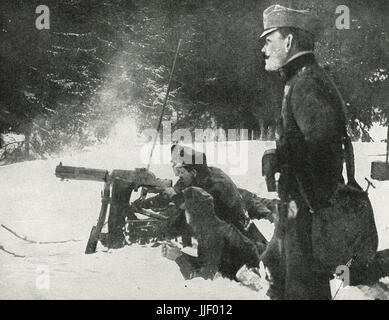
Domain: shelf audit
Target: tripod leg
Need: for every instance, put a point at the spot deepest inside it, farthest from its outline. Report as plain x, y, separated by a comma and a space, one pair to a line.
96, 230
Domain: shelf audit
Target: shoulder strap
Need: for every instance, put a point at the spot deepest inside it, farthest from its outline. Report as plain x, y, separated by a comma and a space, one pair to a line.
347, 144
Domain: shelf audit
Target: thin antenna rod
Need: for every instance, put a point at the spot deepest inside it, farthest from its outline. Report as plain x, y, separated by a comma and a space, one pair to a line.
387, 146
164, 104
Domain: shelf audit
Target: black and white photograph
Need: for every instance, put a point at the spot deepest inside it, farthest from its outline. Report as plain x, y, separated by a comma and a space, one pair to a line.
196, 150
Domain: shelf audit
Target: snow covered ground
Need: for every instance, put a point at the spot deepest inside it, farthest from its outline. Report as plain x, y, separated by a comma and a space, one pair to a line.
36, 204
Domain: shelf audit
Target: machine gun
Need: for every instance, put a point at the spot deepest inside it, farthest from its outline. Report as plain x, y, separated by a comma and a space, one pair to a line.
118, 186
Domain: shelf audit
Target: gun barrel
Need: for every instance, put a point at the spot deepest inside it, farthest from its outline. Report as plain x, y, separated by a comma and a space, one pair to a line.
81, 173
137, 177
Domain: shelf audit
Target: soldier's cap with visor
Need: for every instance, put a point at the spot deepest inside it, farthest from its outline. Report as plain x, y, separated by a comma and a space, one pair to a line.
277, 16
188, 158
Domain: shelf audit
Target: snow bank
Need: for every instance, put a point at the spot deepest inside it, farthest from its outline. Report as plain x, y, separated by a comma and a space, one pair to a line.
36, 204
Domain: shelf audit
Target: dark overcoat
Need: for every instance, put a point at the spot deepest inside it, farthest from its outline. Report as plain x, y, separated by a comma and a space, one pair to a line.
310, 131
309, 150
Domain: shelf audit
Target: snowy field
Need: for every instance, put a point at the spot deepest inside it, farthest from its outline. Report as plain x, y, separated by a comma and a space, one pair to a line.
36, 204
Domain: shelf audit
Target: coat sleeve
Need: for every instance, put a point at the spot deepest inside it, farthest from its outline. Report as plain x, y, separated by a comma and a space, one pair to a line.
318, 123
210, 251
161, 200
257, 207
156, 202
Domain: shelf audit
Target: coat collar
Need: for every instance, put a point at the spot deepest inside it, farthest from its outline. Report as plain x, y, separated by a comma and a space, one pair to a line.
297, 63
202, 177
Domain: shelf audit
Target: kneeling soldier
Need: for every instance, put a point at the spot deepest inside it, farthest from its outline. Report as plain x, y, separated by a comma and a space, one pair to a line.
221, 246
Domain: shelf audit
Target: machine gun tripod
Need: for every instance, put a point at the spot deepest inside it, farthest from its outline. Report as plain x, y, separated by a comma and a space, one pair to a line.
118, 186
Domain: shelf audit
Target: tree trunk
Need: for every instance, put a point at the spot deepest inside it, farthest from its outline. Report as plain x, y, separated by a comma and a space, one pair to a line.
27, 141
262, 136
271, 133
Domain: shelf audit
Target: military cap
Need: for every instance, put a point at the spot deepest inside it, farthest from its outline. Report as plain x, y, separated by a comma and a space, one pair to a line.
198, 202
277, 16
186, 156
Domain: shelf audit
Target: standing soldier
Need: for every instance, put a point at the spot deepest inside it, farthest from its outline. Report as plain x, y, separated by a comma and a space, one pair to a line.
309, 143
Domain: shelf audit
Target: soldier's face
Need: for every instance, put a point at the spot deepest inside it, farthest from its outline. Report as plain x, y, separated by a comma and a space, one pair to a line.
275, 50
185, 175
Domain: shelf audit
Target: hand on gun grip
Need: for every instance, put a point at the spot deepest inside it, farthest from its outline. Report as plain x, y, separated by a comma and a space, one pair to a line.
169, 192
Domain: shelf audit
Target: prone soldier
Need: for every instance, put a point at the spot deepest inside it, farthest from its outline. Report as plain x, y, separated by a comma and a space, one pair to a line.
232, 205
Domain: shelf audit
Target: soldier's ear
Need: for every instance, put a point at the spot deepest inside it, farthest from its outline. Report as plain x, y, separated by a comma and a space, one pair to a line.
288, 42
